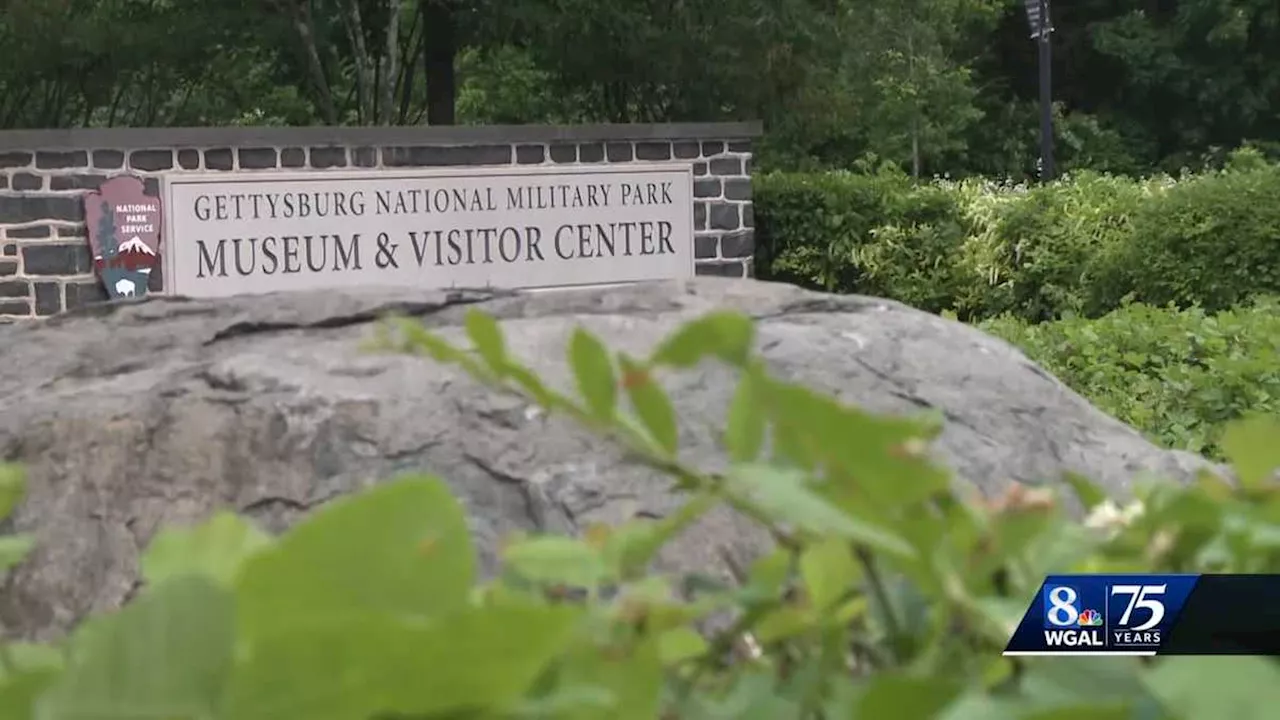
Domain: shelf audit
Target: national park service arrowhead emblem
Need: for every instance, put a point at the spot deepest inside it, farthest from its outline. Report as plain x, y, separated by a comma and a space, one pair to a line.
124, 235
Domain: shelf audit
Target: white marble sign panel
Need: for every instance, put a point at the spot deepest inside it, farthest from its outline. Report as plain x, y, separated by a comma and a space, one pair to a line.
555, 226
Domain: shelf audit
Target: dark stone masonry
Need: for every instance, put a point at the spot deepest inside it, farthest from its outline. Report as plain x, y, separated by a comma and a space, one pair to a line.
45, 265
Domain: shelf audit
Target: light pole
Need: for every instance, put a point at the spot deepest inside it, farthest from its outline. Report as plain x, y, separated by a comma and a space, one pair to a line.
1041, 29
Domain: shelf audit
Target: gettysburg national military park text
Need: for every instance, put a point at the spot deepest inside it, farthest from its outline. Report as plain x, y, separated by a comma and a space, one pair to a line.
446, 226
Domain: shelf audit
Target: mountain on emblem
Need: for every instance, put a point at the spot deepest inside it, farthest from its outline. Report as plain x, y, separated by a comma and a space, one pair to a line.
122, 208
135, 245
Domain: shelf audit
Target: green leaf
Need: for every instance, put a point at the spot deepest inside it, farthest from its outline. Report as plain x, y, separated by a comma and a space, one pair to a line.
216, 549
633, 676
753, 696
1212, 688
630, 548
487, 338
167, 655
13, 549
533, 386
401, 548
829, 571
594, 374
745, 430
1090, 495
26, 657
565, 701
907, 698
1253, 447
723, 334
26, 671
417, 337
680, 644
554, 559
476, 662
13, 485
652, 405
1098, 710
784, 496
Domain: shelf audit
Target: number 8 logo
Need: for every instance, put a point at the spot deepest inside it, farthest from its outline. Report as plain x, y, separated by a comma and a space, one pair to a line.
1062, 609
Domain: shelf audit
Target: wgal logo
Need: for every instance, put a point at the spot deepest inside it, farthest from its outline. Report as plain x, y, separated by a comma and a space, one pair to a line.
1067, 622
1102, 614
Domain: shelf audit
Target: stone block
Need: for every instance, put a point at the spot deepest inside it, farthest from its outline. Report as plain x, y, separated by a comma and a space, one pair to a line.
530, 154
31, 208
48, 298
737, 189
26, 182
108, 159
77, 182
15, 289
720, 269
619, 152
218, 159
30, 232
259, 158
686, 149
54, 160
323, 158
293, 157
564, 153
724, 216
151, 160
80, 293
706, 188
57, 259
653, 151
739, 244
15, 159
726, 166
705, 246
445, 156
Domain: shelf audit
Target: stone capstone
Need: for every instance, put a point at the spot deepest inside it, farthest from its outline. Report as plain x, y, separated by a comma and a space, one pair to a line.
135, 415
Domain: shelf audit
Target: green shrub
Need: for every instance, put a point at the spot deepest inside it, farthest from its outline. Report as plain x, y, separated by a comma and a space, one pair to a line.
889, 595
810, 225
1079, 246
1049, 250
911, 255
1177, 375
1211, 239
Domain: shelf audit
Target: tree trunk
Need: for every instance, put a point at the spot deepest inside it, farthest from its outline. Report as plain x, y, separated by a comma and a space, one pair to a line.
392, 73
438, 52
364, 64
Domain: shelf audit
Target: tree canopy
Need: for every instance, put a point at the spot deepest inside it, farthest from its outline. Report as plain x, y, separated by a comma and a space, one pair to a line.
939, 87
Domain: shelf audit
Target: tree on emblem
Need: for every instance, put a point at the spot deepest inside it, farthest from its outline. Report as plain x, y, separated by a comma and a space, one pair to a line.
107, 232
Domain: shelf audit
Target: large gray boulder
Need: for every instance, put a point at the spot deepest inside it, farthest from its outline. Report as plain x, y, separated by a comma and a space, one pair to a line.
131, 416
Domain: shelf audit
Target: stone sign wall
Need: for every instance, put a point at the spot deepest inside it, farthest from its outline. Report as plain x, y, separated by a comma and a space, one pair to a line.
262, 209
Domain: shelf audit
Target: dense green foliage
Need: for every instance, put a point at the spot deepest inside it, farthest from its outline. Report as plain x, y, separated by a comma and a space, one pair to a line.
1085, 274
890, 593
1178, 376
1077, 246
944, 87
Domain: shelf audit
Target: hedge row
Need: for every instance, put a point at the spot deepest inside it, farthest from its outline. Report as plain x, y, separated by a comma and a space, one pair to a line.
1179, 376
1080, 246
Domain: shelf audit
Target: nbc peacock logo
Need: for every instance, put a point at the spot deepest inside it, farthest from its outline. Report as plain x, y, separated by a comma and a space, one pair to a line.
1090, 618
